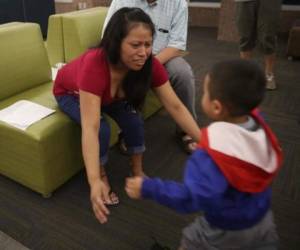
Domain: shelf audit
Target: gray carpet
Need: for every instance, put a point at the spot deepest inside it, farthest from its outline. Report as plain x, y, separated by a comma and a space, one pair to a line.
65, 221
8, 243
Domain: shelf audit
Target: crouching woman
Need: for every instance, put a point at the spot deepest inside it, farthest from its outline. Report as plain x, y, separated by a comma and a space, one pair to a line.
114, 78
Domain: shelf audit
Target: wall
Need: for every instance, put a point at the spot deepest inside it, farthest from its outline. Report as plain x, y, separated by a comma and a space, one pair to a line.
200, 14
204, 16
62, 6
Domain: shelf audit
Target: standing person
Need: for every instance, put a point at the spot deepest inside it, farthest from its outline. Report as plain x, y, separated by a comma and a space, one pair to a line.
258, 20
170, 18
114, 78
229, 176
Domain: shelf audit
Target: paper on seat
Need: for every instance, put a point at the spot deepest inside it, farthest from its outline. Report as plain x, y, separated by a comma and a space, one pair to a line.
24, 113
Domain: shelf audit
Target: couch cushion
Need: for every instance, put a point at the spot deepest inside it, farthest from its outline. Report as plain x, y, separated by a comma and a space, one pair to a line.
24, 61
82, 32
55, 36
48, 153
55, 41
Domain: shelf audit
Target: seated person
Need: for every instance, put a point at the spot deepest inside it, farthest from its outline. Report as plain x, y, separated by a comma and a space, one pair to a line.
170, 18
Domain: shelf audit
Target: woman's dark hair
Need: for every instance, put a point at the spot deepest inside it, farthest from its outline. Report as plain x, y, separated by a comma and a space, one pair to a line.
136, 83
239, 84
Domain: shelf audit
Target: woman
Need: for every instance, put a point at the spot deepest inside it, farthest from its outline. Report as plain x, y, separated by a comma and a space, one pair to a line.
114, 78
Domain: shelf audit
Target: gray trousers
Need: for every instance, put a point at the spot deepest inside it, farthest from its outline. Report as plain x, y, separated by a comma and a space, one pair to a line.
200, 235
183, 82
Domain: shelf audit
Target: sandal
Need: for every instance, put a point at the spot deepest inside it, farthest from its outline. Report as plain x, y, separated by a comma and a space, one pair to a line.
114, 199
186, 142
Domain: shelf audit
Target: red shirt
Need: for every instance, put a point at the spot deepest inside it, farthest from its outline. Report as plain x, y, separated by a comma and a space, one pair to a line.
90, 72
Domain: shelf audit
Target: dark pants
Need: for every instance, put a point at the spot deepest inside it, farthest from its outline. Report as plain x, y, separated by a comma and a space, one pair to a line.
128, 119
258, 20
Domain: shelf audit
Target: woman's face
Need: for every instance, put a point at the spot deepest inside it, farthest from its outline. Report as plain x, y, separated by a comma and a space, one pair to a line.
136, 47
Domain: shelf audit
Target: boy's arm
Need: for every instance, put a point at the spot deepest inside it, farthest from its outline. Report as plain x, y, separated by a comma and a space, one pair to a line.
203, 185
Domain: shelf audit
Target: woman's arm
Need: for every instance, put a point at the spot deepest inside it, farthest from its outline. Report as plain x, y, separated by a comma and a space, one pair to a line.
90, 111
177, 110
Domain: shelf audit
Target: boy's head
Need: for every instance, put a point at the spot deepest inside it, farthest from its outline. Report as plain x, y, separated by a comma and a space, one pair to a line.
233, 89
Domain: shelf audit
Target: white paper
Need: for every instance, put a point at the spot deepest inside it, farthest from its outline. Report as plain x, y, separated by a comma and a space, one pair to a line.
55, 69
24, 113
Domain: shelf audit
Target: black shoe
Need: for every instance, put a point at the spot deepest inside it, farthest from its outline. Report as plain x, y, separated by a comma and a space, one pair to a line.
157, 246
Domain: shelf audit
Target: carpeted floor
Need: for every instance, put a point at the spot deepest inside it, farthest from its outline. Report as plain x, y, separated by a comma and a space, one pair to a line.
8, 243
65, 221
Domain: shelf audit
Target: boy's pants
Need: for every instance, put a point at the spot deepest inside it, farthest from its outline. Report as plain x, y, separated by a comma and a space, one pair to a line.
128, 119
200, 235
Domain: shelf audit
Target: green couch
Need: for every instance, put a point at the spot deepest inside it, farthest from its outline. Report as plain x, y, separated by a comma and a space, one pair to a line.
47, 154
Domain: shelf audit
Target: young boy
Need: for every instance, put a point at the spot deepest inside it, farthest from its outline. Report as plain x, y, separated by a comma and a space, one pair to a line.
229, 176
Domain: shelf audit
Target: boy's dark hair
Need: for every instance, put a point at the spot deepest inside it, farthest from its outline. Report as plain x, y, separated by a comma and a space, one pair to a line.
136, 83
239, 84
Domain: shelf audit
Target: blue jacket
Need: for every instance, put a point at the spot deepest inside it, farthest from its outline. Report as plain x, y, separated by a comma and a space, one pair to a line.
206, 189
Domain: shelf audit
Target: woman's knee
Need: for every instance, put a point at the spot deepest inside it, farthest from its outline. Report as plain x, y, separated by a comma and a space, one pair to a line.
70, 106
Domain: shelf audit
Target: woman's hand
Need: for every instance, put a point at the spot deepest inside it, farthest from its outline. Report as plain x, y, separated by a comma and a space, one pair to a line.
99, 195
134, 186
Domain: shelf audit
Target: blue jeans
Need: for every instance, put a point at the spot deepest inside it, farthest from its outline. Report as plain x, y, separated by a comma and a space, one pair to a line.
128, 119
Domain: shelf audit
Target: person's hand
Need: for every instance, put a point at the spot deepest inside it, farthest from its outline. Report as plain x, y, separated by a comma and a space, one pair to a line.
99, 195
133, 187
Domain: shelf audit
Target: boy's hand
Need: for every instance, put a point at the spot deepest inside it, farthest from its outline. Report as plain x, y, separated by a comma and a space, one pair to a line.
133, 187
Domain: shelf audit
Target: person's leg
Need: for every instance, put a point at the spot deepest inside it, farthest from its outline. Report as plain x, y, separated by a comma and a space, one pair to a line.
246, 25
246, 54
267, 26
132, 125
183, 82
269, 63
70, 106
197, 234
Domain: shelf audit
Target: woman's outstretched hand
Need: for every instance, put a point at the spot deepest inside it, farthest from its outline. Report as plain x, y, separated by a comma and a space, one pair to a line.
99, 195
134, 186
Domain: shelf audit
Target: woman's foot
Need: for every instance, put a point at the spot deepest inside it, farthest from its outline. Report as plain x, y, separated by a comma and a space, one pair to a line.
114, 199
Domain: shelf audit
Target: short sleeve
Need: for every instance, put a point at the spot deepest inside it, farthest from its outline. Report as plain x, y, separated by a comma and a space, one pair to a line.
159, 74
92, 76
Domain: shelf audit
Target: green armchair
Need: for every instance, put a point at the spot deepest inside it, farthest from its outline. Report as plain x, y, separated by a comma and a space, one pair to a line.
47, 154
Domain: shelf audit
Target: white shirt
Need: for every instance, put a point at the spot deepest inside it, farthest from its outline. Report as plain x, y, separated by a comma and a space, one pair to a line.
170, 18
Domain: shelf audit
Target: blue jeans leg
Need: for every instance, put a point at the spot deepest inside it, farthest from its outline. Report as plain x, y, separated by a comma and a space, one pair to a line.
130, 122
70, 106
